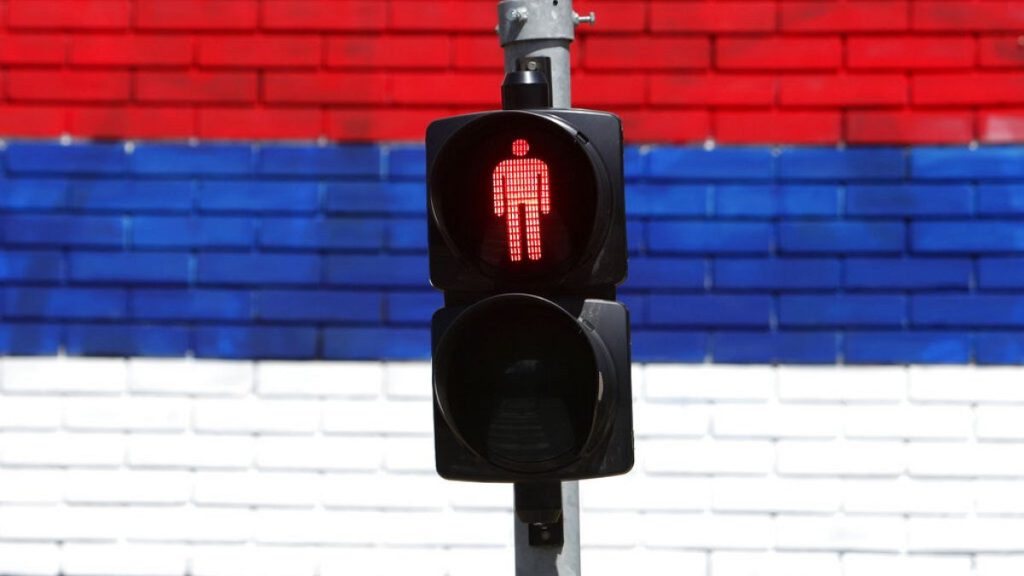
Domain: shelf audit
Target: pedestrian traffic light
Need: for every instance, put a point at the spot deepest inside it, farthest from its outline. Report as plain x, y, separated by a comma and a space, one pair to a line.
531, 360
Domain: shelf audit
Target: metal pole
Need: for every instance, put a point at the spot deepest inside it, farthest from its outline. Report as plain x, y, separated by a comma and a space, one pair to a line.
558, 560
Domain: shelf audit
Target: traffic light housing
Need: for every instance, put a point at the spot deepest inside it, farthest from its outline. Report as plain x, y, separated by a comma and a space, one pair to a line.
531, 359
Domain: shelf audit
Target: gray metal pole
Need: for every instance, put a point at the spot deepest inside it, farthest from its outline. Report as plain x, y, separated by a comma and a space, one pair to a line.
561, 560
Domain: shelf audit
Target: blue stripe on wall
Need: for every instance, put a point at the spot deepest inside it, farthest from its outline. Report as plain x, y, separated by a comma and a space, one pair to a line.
798, 255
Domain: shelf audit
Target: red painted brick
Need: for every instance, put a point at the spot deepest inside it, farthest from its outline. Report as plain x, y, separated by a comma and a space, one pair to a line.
16, 120
842, 15
32, 49
968, 89
777, 127
1002, 51
133, 122
260, 51
368, 15
1001, 126
844, 90
666, 125
614, 16
376, 124
910, 52
196, 14
597, 90
465, 15
779, 53
299, 123
448, 89
484, 52
192, 86
405, 51
646, 53
324, 88
148, 50
908, 127
74, 86
737, 16
713, 89
966, 15
69, 14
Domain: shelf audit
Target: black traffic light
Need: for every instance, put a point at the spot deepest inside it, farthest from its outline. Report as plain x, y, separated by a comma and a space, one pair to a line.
531, 359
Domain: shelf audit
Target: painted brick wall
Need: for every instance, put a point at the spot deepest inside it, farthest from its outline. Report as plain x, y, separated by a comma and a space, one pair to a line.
746, 71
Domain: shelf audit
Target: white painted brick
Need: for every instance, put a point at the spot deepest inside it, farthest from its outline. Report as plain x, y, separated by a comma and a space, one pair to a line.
124, 560
190, 377
774, 564
42, 523
44, 375
775, 495
604, 529
187, 524
1000, 422
254, 561
853, 458
262, 489
303, 527
900, 565
408, 380
959, 535
304, 378
965, 459
906, 496
671, 419
127, 487
842, 383
409, 455
908, 421
384, 562
777, 421
999, 565
966, 384
31, 486
998, 497
29, 559
637, 491
706, 456
379, 417
126, 413
498, 561
840, 533
191, 451
705, 532
637, 377
620, 562
478, 495
706, 382
257, 416
408, 491
61, 449
319, 453
399, 528
30, 413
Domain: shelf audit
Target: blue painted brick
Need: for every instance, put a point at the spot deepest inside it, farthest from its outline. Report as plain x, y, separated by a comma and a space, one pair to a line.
319, 306
406, 234
676, 163
666, 200
257, 196
908, 200
739, 200
776, 274
841, 237
850, 164
962, 163
999, 348
709, 310
378, 270
988, 310
407, 162
669, 346
186, 232
376, 197
33, 194
636, 236
1001, 199
53, 158
61, 303
646, 272
30, 339
342, 160
1000, 273
809, 200
62, 230
710, 237
775, 347
413, 307
337, 233
191, 304
181, 159
907, 348
258, 269
129, 267
907, 274
30, 266
841, 310
377, 343
634, 162
963, 236
256, 342
107, 195
126, 340
636, 306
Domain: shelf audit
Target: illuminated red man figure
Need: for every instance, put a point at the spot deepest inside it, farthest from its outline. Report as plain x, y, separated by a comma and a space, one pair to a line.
522, 182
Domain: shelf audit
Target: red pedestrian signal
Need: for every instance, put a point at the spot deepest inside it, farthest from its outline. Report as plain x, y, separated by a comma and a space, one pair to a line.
522, 185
